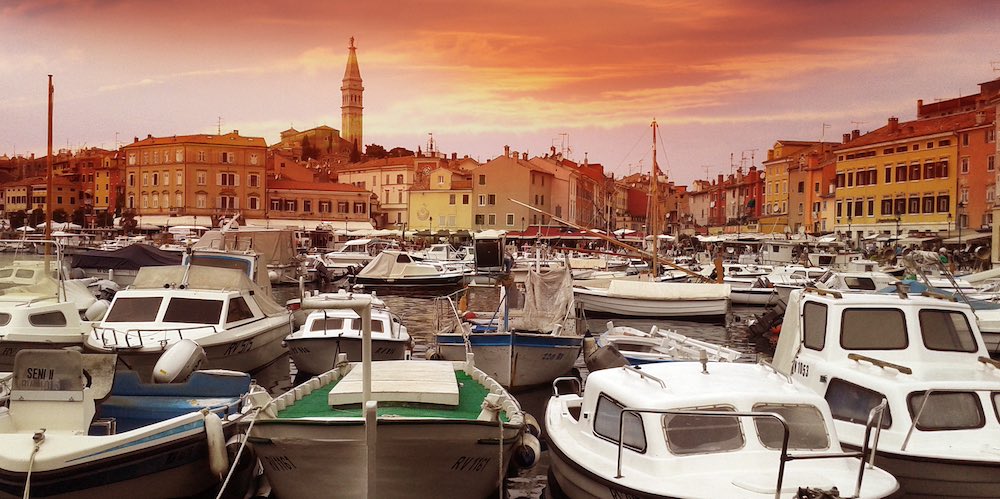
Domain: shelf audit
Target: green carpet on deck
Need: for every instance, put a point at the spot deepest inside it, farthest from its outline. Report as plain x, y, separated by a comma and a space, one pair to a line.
470, 399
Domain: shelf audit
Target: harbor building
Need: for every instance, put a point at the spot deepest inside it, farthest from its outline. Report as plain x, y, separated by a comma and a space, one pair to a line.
506, 177
441, 200
785, 156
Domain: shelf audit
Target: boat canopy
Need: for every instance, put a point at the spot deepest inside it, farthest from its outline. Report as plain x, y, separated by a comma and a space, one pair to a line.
131, 257
649, 290
205, 278
277, 246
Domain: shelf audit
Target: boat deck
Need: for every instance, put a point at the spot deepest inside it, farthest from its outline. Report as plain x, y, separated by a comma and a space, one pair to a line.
471, 394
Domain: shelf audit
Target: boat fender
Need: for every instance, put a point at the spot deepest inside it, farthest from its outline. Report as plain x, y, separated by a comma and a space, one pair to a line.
527, 452
243, 474
272, 276
218, 461
96, 310
432, 354
531, 425
176, 364
776, 329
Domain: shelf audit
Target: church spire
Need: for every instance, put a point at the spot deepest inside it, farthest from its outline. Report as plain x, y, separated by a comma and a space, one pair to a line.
351, 96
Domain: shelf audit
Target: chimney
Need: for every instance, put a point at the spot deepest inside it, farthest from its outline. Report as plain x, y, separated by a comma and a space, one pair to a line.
135, 139
506, 151
236, 132
454, 156
149, 135
524, 156
847, 138
855, 133
893, 124
585, 160
980, 118
770, 154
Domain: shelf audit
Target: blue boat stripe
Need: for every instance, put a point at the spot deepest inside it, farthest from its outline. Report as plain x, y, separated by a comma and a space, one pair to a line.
156, 436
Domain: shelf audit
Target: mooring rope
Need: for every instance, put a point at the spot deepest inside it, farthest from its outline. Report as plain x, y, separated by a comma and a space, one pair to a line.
38, 438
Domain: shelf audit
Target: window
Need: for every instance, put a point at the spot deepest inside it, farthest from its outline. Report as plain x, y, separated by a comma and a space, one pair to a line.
178, 200
47, 319
802, 187
943, 168
193, 311
887, 207
991, 135
860, 283
806, 427
946, 410
291, 205
307, 205
202, 156
360, 209
928, 204
850, 402
179, 155
965, 139
480, 219
482, 200
930, 170
850, 179
4, 319
871, 207
492, 199
840, 209
465, 199
145, 201
946, 330
858, 208
691, 434
510, 220
944, 143
491, 219
238, 310
201, 200
145, 179
964, 165
943, 203
441, 181
814, 325
991, 163
914, 205
254, 180
325, 207
201, 177
180, 178
840, 180
900, 206
134, 309
900, 173
855, 329
915, 171
399, 179
482, 180
226, 157
131, 159
342, 207
253, 203
608, 423
228, 179
451, 199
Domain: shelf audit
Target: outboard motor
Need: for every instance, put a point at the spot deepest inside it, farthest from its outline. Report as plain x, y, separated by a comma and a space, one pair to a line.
178, 362
598, 358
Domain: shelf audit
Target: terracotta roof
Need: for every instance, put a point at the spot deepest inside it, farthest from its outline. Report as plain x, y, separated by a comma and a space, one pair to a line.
57, 180
919, 128
225, 139
311, 186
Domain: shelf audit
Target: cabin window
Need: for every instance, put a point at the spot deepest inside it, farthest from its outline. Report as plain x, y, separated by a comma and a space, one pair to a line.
946, 330
692, 434
222, 263
193, 311
403, 258
863, 283
47, 319
946, 410
24, 274
850, 402
814, 325
238, 310
142, 309
4, 319
608, 419
327, 324
856, 331
376, 326
806, 427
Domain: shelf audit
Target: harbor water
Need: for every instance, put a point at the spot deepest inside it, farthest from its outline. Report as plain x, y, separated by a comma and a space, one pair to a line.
422, 314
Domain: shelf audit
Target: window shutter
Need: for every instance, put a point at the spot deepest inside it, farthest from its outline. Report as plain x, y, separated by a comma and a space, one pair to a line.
236, 179
218, 202
218, 179
236, 203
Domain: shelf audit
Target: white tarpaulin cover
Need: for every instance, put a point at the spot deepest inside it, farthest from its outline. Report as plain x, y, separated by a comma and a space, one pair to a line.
648, 290
206, 278
277, 246
790, 337
548, 298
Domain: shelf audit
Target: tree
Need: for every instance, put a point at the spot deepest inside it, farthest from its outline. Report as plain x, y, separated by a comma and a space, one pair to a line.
105, 219
79, 217
309, 151
59, 215
128, 221
17, 218
355, 153
36, 217
399, 152
375, 151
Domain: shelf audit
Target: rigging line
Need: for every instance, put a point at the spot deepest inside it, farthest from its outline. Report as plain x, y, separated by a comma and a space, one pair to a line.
637, 140
666, 161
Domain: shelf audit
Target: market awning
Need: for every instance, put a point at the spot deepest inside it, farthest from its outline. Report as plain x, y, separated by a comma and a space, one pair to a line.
969, 238
917, 239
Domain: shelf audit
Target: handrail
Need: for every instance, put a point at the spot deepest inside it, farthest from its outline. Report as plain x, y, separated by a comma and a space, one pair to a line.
940, 296
820, 291
101, 332
645, 375
992, 362
785, 456
879, 363
555, 384
927, 396
880, 410
775, 370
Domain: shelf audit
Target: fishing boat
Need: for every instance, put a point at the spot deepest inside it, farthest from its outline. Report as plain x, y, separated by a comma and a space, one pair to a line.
658, 345
326, 333
752, 291
76, 428
356, 253
398, 428
397, 269
922, 354
237, 323
521, 346
633, 298
699, 430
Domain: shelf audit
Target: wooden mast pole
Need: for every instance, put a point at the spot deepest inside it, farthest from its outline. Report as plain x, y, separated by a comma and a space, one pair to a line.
652, 224
48, 184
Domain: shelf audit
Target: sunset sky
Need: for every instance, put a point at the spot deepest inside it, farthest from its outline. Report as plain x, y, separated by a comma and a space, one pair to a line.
720, 77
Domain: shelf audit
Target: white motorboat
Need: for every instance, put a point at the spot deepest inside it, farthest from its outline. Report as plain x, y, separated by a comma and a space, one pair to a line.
276, 248
356, 253
232, 318
442, 430
658, 345
326, 333
698, 430
924, 356
523, 346
70, 432
757, 292
632, 298
398, 269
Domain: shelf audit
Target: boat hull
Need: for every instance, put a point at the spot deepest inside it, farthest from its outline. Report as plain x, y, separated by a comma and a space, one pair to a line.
404, 282
921, 477
575, 482
598, 305
318, 355
445, 459
8, 349
518, 360
753, 296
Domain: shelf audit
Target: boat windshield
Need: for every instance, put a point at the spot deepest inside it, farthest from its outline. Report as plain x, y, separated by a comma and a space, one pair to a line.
137, 309
693, 434
946, 330
806, 428
4, 319
339, 323
947, 410
193, 311
22, 269
856, 329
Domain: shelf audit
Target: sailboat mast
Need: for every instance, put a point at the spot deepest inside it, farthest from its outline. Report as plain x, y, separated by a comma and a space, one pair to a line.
651, 223
48, 184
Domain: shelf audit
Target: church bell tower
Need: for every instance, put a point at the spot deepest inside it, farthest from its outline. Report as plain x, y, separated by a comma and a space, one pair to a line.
351, 106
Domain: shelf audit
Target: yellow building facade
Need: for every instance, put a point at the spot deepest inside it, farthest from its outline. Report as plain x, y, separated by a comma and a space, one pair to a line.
441, 200
900, 178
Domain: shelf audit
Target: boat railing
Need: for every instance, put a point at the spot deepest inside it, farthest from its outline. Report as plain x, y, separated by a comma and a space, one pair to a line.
923, 404
857, 357
993, 362
646, 375
566, 379
139, 337
775, 370
863, 455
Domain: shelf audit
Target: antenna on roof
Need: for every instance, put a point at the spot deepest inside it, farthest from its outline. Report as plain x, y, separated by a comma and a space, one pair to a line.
995, 65
707, 168
822, 133
218, 124
857, 124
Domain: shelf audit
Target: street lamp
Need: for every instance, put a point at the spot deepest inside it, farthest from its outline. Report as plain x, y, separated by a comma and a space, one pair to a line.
522, 225
850, 235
